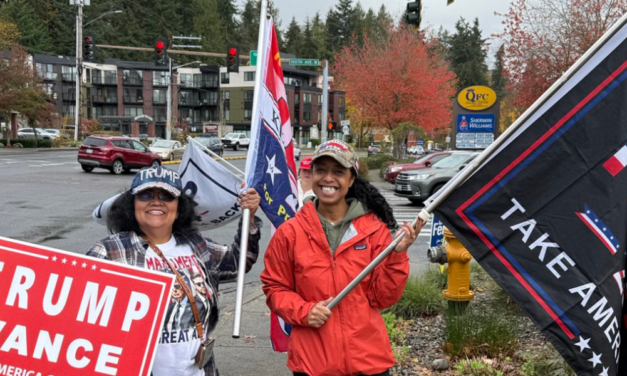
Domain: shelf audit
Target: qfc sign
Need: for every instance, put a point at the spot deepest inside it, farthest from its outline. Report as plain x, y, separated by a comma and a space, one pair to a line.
476, 98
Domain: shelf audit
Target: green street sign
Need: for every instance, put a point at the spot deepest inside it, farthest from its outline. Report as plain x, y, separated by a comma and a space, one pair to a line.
253, 57
305, 62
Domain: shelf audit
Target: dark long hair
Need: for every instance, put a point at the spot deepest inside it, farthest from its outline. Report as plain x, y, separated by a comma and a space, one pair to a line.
121, 216
373, 200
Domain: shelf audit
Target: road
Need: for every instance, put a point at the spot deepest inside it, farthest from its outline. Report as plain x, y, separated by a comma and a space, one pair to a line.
45, 198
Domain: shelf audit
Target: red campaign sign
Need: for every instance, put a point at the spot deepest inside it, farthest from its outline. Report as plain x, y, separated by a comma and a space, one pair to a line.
65, 314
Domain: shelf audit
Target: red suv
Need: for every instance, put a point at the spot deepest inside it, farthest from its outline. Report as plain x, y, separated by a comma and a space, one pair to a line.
116, 154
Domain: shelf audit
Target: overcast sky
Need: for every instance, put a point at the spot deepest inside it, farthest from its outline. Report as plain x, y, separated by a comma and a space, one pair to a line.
436, 12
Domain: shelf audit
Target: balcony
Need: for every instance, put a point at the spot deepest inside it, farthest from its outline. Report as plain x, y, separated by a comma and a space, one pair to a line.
209, 101
104, 99
189, 102
70, 77
158, 100
130, 99
210, 84
191, 84
160, 82
159, 118
48, 76
69, 97
110, 80
133, 81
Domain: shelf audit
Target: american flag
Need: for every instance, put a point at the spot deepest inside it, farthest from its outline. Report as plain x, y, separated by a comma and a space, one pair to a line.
599, 229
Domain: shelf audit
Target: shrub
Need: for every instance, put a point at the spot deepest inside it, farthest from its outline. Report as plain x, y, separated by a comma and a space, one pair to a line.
541, 361
375, 161
315, 143
30, 143
363, 167
398, 337
422, 296
490, 333
1, 145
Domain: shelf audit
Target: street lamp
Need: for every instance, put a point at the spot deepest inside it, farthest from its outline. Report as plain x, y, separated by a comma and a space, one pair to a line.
168, 124
102, 15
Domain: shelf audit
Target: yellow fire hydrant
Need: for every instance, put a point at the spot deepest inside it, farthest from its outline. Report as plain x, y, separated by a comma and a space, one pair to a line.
458, 259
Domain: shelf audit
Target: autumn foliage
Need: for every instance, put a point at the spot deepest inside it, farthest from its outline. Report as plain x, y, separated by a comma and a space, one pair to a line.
396, 79
544, 38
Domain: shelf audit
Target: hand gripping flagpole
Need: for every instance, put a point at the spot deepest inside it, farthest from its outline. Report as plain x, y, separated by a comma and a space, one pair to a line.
425, 213
241, 270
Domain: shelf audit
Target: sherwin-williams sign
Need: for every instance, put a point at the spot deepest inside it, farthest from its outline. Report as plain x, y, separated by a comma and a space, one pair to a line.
476, 98
476, 123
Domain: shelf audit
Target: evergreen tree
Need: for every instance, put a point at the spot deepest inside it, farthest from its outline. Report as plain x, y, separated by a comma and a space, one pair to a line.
293, 38
499, 82
319, 38
34, 35
467, 56
249, 26
228, 13
307, 41
208, 25
357, 23
340, 24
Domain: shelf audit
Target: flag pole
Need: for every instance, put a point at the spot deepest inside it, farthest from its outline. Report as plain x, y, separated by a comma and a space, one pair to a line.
425, 213
522, 119
241, 270
190, 139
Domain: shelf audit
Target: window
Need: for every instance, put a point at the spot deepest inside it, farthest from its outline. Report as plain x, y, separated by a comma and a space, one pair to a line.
187, 79
160, 78
249, 76
307, 116
160, 114
226, 96
133, 96
248, 95
225, 78
48, 88
296, 99
159, 96
110, 77
307, 98
319, 99
68, 110
227, 114
105, 111
226, 104
133, 111
209, 80
132, 77
46, 71
342, 101
69, 73
248, 114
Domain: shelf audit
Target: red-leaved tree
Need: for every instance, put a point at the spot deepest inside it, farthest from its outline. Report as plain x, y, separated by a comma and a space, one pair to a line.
543, 38
396, 79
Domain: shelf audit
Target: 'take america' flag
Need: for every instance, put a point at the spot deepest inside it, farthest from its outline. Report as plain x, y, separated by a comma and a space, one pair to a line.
546, 215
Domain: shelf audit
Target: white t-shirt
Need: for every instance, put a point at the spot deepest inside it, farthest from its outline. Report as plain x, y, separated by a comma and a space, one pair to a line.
179, 340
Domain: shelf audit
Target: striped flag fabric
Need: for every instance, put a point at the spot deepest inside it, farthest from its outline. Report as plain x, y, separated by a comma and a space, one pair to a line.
617, 162
619, 277
600, 229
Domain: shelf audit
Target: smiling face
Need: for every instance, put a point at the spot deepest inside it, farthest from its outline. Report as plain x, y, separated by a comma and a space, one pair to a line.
331, 181
156, 217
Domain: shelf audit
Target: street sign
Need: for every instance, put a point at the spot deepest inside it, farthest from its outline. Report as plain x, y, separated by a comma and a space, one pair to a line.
253, 58
437, 232
420, 143
305, 62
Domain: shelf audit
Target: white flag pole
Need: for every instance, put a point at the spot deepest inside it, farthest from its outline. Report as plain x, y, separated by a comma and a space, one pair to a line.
241, 270
425, 213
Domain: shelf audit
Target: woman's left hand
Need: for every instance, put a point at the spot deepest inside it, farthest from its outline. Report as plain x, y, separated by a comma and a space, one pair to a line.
250, 200
410, 236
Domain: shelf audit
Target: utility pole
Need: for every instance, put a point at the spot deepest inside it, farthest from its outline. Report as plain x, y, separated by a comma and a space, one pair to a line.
168, 98
79, 63
325, 102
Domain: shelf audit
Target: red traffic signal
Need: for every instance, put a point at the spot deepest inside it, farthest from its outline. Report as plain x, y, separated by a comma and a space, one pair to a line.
160, 53
232, 60
159, 45
89, 48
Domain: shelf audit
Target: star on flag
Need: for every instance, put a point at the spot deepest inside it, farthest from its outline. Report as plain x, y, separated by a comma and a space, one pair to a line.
583, 344
272, 168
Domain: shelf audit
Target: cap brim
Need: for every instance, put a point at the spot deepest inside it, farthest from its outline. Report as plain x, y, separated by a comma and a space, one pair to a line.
157, 184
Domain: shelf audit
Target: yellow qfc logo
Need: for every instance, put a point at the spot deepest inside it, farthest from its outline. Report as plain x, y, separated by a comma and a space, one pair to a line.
476, 98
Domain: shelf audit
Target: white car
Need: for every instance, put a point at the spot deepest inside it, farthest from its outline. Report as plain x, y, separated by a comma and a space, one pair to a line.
296, 150
235, 140
29, 133
168, 150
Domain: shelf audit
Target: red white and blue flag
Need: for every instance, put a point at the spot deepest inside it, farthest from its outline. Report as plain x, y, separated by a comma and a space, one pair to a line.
270, 166
537, 214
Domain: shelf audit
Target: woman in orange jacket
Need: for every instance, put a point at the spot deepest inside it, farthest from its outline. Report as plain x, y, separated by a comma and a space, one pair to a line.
313, 256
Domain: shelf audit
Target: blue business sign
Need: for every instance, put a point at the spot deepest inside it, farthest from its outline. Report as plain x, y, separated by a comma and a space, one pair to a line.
475, 123
420, 142
437, 232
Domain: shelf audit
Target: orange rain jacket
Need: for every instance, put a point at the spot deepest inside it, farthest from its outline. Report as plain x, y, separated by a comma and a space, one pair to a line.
300, 271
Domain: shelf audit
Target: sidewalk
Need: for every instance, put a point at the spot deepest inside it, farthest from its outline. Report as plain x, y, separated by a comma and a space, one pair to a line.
20, 151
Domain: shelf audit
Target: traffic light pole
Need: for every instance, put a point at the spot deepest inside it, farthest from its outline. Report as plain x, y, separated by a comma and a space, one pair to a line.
168, 120
325, 102
79, 65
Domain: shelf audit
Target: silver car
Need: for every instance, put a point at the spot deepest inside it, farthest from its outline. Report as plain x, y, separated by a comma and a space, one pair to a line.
30, 134
168, 150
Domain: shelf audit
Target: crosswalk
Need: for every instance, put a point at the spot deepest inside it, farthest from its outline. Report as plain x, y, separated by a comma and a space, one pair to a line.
404, 211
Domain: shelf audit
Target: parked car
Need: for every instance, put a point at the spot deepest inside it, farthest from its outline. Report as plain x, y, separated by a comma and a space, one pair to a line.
419, 185
116, 154
426, 161
416, 150
296, 150
235, 140
168, 150
374, 149
212, 143
56, 132
30, 133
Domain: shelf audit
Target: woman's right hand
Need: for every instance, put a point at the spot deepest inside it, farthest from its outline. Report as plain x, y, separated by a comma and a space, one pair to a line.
319, 314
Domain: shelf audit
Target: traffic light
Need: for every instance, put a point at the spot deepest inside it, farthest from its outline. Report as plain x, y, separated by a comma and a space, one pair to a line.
232, 60
412, 15
449, 2
161, 52
89, 48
